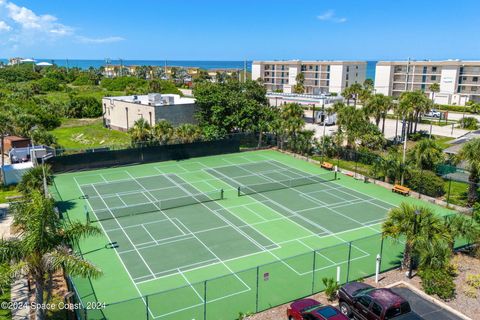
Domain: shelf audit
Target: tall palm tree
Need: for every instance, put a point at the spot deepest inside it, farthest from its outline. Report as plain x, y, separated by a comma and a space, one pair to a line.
426, 154
351, 120
419, 227
470, 153
434, 88
163, 132
188, 133
41, 248
377, 106
299, 86
140, 132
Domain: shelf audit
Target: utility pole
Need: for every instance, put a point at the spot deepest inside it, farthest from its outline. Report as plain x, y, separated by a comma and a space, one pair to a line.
405, 136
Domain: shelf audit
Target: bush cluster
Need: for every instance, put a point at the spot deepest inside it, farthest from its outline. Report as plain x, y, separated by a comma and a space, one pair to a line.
439, 282
425, 182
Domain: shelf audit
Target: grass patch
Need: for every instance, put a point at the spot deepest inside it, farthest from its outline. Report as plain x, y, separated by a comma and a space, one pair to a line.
443, 141
5, 297
88, 133
62, 97
6, 192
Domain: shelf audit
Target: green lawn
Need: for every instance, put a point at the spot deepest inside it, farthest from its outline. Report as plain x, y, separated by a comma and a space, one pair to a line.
88, 133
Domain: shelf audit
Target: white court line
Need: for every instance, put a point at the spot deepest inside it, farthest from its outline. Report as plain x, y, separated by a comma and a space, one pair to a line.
308, 220
118, 255
126, 235
188, 282
148, 232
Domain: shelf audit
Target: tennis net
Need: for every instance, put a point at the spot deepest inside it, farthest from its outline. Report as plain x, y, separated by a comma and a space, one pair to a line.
164, 204
285, 184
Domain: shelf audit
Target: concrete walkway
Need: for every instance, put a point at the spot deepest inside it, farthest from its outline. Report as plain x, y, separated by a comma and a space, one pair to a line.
19, 292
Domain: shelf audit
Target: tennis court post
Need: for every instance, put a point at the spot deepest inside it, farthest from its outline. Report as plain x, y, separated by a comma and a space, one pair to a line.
146, 306
348, 260
205, 300
313, 271
256, 296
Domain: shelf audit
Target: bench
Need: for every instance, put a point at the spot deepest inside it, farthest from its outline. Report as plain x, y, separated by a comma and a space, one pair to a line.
327, 165
401, 189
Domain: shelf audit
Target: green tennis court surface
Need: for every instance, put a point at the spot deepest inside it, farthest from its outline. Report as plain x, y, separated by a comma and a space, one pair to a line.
214, 236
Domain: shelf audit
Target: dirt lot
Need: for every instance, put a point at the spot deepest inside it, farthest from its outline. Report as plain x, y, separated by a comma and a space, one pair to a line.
469, 306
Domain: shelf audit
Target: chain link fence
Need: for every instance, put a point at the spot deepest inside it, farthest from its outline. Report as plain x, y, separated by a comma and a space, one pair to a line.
252, 290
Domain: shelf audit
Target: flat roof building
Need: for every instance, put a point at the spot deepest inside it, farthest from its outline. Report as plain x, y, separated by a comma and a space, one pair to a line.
320, 76
459, 80
120, 113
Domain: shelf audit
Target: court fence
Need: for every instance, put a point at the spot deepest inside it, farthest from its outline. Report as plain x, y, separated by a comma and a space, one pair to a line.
447, 182
145, 152
252, 290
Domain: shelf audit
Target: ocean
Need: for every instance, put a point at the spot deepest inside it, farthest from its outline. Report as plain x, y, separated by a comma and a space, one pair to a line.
85, 64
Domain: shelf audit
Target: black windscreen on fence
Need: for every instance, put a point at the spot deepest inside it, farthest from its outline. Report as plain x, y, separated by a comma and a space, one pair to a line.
102, 159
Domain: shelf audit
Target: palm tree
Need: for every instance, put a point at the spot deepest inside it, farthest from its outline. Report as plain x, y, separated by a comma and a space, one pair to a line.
470, 153
33, 178
41, 248
426, 154
187, 133
140, 132
378, 106
163, 132
291, 121
355, 90
419, 227
351, 120
460, 226
473, 106
434, 88
299, 87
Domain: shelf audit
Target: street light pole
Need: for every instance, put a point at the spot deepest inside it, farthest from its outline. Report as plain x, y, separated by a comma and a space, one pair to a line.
415, 222
404, 149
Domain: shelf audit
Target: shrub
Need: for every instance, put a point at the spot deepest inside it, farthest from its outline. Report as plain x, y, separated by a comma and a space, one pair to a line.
439, 282
83, 80
473, 280
121, 83
84, 107
469, 123
425, 182
331, 288
48, 84
445, 107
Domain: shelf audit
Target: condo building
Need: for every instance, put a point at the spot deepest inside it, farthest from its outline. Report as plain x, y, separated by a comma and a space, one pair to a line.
320, 76
459, 81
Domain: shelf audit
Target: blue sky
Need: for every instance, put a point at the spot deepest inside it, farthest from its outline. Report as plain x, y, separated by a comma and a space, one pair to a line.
235, 30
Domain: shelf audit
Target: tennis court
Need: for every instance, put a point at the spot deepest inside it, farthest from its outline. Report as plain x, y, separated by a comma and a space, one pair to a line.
214, 236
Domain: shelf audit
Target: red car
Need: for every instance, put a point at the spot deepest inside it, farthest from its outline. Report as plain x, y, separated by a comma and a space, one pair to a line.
310, 309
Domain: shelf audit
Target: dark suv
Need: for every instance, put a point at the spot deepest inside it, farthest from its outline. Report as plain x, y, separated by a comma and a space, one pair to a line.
367, 303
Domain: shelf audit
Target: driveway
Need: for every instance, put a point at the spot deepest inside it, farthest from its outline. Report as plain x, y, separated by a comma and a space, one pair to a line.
424, 308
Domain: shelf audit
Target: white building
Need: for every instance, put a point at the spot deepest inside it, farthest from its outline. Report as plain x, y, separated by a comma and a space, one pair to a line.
459, 80
320, 76
120, 113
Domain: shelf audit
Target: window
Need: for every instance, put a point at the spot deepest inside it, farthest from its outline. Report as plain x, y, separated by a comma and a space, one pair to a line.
304, 67
397, 310
434, 69
475, 79
310, 67
376, 309
474, 89
433, 78
348, 68
464, 78
365, 301
316, 68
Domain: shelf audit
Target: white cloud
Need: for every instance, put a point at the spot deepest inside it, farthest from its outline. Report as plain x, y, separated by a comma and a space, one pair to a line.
27, 28
4, 27
99, 40
329, 15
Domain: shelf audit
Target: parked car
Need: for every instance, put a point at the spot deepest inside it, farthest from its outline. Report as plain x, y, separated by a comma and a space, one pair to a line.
365, 302
433, 114
310, 309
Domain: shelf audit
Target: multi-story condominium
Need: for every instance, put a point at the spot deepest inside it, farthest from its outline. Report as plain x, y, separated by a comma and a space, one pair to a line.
459, 81
320, 76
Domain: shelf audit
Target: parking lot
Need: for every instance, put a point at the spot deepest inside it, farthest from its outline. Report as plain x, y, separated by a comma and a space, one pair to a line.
424, 308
